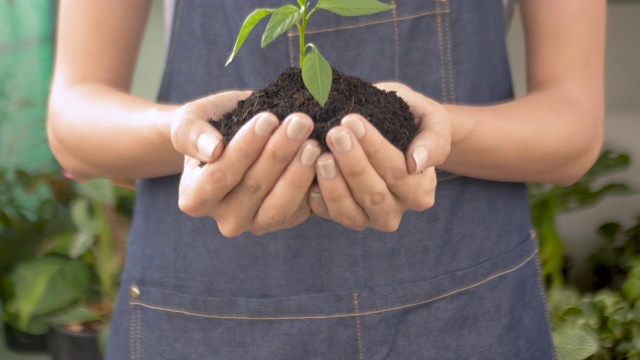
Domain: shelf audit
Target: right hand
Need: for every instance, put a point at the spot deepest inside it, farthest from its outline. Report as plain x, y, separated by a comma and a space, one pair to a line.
260, 182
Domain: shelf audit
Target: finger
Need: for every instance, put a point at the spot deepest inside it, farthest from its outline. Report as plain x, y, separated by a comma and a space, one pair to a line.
191, 200
241, 153
316, 202
279, 207
410, 189
432, 143
192, 135
341, 205
278, 153
367, 188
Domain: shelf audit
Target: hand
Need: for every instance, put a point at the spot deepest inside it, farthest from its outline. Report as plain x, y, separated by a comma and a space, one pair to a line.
259, 183
367, 182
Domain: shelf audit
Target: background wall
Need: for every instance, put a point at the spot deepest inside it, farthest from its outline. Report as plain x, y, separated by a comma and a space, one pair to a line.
623, 111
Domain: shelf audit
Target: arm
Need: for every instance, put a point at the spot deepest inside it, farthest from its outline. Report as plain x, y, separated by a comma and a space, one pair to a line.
555, 132
95, 127
259, 183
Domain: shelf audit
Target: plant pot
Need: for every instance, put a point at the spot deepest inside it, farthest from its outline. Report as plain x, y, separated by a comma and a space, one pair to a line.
20, 341
69, 345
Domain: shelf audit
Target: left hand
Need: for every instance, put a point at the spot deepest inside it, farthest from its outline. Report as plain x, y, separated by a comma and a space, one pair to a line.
365, 181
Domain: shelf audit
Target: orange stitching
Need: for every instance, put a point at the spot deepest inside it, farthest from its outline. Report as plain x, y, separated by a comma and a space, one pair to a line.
426, 13
131, 327
397, 40
450, 59
335, 316
355, 301
442, 76
449, 178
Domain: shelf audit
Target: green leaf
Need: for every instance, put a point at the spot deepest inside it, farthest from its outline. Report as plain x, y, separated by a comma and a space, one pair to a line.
574, 344
354, 7
100, 190
249, 23
48, 284
281, 20
317, 75
77, 314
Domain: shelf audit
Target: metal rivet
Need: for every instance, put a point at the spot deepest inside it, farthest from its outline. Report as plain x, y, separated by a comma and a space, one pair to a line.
134, 291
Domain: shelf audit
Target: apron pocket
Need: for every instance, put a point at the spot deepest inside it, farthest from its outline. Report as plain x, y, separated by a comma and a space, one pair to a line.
346, 325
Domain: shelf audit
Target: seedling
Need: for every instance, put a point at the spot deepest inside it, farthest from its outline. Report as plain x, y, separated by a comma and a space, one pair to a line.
316, 70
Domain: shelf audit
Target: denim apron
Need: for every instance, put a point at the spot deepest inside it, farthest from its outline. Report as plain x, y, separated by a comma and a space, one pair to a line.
458, 281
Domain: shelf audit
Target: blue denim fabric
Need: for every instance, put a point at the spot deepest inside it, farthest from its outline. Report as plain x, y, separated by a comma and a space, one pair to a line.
459, 281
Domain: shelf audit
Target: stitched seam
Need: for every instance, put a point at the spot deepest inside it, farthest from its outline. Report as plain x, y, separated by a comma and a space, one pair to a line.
397, 40
426, 13
442, 75
450, 58
175, 26
355, 303
132, 311
334, 316
543, 296
449, 178
135, 333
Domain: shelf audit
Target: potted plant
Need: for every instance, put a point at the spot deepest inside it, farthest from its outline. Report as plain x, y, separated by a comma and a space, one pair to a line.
73, 286
101, 226
316, 88
33, 211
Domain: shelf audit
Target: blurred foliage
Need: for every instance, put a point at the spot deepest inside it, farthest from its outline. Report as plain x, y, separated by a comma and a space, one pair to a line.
547, 202
73, 278
602, 322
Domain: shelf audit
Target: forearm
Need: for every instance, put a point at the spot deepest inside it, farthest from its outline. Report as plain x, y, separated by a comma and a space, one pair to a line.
98, 131
550, 135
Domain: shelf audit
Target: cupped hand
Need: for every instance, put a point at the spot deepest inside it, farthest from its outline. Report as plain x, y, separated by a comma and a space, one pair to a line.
259, 182
366, 182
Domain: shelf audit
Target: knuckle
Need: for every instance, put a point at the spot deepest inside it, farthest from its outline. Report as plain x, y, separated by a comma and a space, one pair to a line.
356, 171
351, 222
278, 155
425, 202
274, 216
189, 207
252, 186
391, 223
377, 198
218, 180
397, 174
229, 228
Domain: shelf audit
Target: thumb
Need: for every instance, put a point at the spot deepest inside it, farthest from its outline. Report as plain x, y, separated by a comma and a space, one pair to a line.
432, 143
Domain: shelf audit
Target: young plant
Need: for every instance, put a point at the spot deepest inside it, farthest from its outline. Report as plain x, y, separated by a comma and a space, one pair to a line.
316, 71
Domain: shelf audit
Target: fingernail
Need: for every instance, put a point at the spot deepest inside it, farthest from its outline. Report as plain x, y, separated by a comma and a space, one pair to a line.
315, 194
297, 128
420, 156
265, 125
207, 144
309, 155
327, 169
341, 140
355, 125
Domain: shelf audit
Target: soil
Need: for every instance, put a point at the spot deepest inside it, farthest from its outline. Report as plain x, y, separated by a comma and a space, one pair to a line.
287, 94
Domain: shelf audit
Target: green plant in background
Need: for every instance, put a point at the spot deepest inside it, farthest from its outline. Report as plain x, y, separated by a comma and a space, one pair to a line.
316, 70
603, 323
549, 201
75, 282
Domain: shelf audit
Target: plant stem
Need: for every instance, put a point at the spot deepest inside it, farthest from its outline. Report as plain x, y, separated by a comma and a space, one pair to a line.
301, 30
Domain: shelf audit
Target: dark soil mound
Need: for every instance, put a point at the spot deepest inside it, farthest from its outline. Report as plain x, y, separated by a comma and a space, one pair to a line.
287, 94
